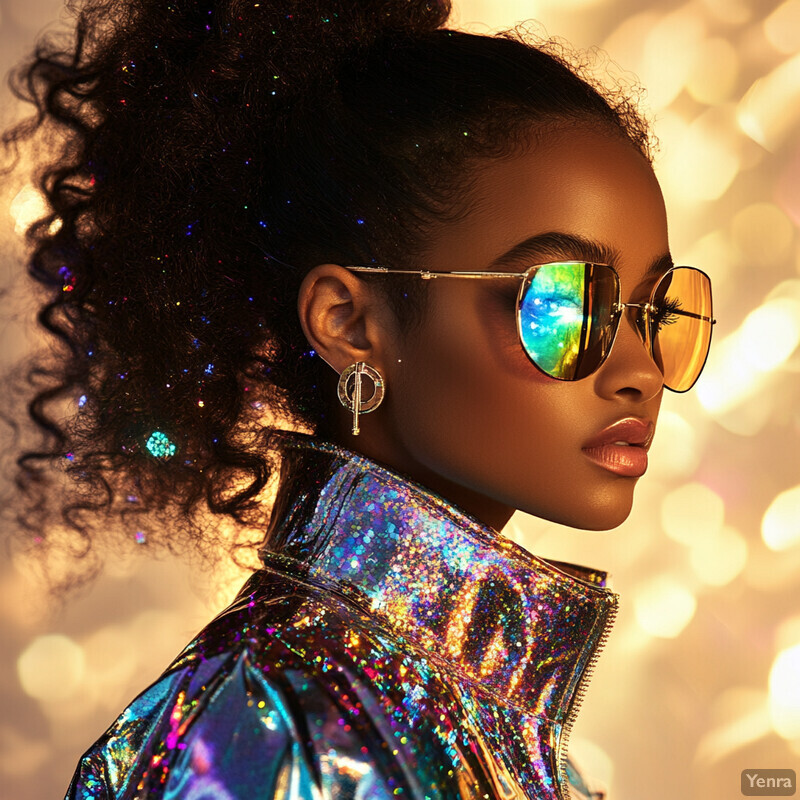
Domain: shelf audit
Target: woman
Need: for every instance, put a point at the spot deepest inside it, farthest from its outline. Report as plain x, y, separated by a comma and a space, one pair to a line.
443, 255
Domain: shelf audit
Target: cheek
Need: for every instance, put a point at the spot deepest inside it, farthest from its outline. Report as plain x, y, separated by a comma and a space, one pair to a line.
468, 405
468, 402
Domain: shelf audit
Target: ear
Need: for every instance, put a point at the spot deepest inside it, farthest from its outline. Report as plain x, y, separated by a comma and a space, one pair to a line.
342, 318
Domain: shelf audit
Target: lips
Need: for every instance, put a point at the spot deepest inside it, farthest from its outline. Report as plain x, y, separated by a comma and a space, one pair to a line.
621, 448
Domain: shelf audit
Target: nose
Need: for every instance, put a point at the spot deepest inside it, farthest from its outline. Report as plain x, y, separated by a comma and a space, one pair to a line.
629, 371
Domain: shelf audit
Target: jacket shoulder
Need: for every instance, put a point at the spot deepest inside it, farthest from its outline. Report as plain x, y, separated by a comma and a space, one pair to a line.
241, 713
185, 732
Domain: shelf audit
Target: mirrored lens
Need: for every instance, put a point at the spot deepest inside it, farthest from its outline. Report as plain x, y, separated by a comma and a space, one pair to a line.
566, 317
680, 326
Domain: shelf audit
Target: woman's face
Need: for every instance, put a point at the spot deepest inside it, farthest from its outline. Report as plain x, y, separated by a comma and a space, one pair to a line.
466, 413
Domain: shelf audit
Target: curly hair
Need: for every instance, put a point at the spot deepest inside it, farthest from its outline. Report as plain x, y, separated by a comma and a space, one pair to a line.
208, 154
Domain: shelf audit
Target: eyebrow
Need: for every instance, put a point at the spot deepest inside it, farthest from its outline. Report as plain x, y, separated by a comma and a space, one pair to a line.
555, 244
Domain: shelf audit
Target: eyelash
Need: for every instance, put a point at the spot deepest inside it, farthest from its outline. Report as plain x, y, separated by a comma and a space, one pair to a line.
665, 314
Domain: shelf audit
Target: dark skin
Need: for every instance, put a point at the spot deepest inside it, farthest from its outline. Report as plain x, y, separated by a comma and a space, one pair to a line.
466, 413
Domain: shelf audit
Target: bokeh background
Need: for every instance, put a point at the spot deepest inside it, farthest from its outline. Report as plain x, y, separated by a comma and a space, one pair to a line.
701, 676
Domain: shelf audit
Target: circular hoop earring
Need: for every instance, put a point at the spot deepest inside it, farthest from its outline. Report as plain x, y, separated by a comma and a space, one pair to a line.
350, 391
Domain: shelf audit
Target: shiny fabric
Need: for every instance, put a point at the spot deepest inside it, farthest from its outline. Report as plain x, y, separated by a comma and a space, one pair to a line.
391, 646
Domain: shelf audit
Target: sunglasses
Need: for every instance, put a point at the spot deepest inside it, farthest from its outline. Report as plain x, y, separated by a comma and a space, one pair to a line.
568, 315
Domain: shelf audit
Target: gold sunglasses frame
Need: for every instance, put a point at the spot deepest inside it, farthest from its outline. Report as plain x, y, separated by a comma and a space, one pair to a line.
644, 308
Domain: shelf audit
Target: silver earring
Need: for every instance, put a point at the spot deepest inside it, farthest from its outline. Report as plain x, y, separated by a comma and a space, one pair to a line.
351, 393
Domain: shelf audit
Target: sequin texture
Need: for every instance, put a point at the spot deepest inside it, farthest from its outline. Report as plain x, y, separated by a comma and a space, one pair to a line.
159, 445
390, 646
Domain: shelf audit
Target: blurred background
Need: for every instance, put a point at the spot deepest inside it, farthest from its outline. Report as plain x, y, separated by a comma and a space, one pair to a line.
701, 676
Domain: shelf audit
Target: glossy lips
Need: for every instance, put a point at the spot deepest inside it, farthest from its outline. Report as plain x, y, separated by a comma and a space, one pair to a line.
621, 448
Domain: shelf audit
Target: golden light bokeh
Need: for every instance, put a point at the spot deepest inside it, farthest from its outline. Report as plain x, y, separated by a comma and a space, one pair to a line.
780, 527
51, 668
784, 693
27, 206
664, 607
700, 677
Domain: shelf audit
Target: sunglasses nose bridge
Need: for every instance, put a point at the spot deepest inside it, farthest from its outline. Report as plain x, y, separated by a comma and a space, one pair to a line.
640, 313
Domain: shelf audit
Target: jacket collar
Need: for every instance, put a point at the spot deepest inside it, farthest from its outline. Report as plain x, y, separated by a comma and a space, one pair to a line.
523, 628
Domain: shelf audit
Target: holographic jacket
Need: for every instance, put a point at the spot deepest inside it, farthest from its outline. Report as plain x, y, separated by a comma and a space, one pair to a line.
390, 646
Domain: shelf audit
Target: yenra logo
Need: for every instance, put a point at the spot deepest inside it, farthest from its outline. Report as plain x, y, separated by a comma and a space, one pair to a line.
769, 782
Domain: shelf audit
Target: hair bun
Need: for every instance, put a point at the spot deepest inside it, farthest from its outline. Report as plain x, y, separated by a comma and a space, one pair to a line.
358, 20
310, 36
415, 16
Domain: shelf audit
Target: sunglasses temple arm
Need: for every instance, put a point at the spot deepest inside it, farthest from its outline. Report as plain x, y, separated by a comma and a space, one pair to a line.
426, 274
695, 316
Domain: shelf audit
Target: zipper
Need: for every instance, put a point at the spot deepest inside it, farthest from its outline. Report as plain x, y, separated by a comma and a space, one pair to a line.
580, 691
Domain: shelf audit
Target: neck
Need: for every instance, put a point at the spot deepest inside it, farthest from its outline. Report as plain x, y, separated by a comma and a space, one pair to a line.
521, 627
375, 444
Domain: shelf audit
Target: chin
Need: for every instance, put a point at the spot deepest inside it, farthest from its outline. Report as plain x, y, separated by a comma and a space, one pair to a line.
603, 515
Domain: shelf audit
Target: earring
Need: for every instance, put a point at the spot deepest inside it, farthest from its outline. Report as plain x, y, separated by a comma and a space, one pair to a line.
350, 392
